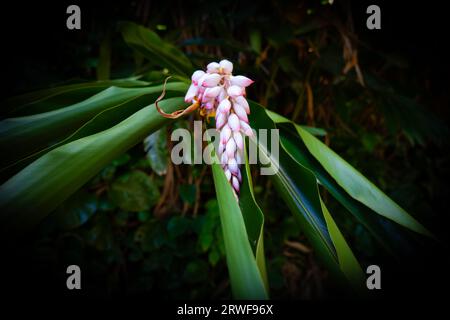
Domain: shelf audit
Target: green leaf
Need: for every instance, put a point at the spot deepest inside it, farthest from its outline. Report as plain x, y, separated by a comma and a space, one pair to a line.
155, 145
354, 183
347, 261
61, 96
159, 52
386, 233
358, 186
39, 188
178, 225
245, 277
188, 193
134, 192
253, 218
298, 187
33, 133
76, 210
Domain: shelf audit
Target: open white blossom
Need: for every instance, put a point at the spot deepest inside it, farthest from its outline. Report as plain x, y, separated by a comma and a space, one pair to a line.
217, 90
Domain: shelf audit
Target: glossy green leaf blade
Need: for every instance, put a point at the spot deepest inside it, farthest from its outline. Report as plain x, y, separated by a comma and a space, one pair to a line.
298, 187
159, 52
101, 121
31, 194
358, 186
387, 233
30, 134
54, 98
254, 219
352, 181
347, 260
245, 277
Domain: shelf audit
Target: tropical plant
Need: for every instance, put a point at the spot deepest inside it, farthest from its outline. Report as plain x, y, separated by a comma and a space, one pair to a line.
63, 136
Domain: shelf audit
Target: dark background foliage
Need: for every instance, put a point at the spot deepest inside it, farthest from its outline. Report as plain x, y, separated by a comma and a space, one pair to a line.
146, 226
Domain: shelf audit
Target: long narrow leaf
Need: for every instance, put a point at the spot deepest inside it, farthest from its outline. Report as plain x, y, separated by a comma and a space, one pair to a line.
245, 277
30, 134
358, 186
35, 191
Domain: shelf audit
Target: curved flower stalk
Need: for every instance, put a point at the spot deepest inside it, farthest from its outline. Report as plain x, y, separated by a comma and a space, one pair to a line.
220, 93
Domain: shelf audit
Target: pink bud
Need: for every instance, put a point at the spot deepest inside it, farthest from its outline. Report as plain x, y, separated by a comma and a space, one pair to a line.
235, 183
224, 106
220, 120
233, 122
243, 102
241, 81
231, 148
234, 91
224, 158
228, 174
240, 112
237, 137
220, 149
222, 95
246, 128
212, 92
211, 80
213, 67
226, 65
196, 76
191, 93
239, 157
225, 134
233, 166
239, 176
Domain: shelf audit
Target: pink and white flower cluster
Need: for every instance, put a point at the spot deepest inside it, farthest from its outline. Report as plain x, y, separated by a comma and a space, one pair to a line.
217, 90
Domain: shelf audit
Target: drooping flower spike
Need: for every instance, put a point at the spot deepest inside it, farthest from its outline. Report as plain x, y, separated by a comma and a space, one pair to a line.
218, 93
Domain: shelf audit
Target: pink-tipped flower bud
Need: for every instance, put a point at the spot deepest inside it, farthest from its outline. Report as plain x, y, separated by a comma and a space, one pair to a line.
227, 66
225, 134
228, 174
213, 67
230, 148
233, 122
235, 183
196, 76
235, 91
243, 102
191, 93
237, 137
233, 166
224, 106
240, 112
241, 81
220, 120
210, 80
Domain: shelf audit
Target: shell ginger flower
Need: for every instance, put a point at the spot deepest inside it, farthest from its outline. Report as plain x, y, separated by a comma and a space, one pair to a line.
218, 92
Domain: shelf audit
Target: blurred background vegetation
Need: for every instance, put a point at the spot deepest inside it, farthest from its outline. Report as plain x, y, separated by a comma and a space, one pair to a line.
144, 225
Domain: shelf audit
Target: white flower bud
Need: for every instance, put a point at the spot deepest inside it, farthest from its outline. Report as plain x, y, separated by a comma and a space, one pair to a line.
243, 102
237, 137
240, 112
220, 120
191, 93
230, 148
233, 122
213, 67
235, 183
241, 81
224, 106
210, 80
196, 76
235, 91
228, 174
227, 66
